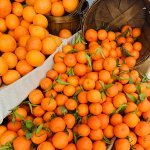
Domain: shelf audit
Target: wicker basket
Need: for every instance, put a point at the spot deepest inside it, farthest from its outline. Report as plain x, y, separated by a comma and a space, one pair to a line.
116, 13
71, 22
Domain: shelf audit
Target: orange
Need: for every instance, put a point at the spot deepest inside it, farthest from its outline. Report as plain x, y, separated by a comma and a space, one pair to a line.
37, 31
91, 35
17, 9
65, 33
14, 126
57, 9
5, 8
34, 43
61, 99
116, 119
11, 43
130, 61
121, 130
129, 88
48, 104
108, 108
12, 21
57, 40
40, 20
99, 145
67, 48
24, 144
102, 34
131, 107
30, 2
128, 29
59, 56
48, 46
28, 13
2, 129
109, 64
3, 66
46, 146
131, 119
94, 96
10, 76
69, 90
96, 135
104, 76
25, 23
21, 53
108, 132
142, 128
60, 140
94, 123
84, 143
71, 104
11, 59
7, 136
132, 138
82, 97
146, 115
144, 141
42, 6
70, 60
45, 83
57, 124
80, 46
104, 120
137, 46
122, 144
60, 67
80, 69
70, 146
70, 5
121, 40
83, 130
95, 108
112, 91
23, 40
111, 36
40, 137
119, 100
23, 67
88, 84
128, 47
20, 31
69, 120
22, 112
136, 32
82, 109
35, 58
138, 147
3, 26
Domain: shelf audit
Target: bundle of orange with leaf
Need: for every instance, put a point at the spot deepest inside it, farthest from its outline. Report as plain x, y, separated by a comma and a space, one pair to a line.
24, 40
87, 99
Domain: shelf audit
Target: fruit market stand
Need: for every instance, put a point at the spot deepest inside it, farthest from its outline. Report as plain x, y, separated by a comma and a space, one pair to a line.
74, 75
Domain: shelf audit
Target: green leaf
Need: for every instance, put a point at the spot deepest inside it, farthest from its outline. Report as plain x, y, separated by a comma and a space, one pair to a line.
13, 118
130, 96
144, 78
89, 61
29, 135
102, 85
58, 80
50, 87
76, 136
108, 86
120, 109
18, 115
30, 106
138, 88
63, 110
103, 95
79, 39
99, 51
29, 124
142, 97
106, 140
125, 52
117, 63
78, 118
39, 129
70, 72
75, 96
7, 146
131, 80
66, 131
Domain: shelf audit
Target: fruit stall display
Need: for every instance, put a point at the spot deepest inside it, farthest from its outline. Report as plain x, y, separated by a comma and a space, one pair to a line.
89, 95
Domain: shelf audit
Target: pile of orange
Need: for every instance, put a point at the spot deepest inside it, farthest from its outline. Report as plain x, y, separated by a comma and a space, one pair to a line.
88, 98
61, 7
24, 41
